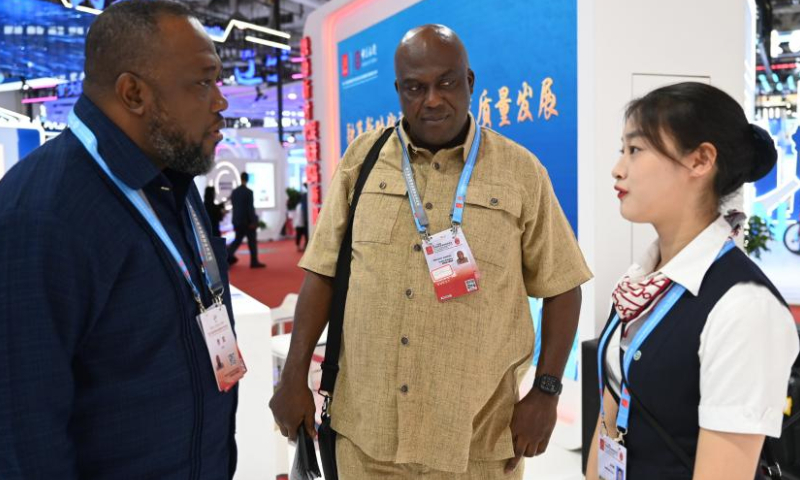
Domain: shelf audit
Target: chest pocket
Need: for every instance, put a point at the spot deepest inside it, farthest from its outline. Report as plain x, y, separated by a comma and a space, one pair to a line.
379, 206
492, 223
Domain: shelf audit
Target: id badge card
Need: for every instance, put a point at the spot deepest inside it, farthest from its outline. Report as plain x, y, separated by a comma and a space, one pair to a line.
226, 360
451, 265
612, 459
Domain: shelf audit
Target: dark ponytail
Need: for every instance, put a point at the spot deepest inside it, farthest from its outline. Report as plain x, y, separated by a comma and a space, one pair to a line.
691, 113
765, 153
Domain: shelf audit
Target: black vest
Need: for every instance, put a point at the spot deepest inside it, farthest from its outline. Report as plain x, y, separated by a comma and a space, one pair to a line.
666, 379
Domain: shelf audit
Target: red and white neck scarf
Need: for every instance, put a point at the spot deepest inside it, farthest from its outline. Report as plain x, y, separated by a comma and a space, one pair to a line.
631, 298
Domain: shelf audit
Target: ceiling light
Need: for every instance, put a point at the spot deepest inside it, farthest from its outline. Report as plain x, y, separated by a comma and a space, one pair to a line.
268, 43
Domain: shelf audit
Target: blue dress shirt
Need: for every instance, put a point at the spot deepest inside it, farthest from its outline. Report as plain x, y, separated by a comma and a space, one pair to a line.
104, 373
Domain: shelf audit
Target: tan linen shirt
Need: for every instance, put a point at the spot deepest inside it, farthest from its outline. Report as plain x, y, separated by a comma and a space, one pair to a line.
422, 381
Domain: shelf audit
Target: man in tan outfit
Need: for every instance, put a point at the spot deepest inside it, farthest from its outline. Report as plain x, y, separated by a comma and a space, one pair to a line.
429, 388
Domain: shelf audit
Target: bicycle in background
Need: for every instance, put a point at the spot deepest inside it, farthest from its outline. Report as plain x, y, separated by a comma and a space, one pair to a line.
791, 237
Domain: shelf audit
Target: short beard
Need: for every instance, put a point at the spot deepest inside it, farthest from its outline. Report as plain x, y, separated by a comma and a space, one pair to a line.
173, 148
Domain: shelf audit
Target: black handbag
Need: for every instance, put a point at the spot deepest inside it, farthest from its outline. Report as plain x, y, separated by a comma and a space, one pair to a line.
330, 367
305, 465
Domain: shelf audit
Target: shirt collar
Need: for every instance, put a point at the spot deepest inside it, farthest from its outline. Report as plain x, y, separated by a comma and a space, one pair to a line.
689, 266
464, 149
125, 159
178, 182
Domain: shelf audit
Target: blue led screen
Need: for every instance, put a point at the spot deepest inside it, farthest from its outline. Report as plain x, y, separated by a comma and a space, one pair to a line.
41, 39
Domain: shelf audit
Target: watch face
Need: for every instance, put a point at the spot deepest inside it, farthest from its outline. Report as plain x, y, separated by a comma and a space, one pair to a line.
549, 384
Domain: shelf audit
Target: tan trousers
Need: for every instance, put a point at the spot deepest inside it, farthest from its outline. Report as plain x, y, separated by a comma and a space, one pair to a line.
353, 464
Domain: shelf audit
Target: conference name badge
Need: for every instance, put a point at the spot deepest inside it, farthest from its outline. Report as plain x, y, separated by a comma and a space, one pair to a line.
612, 458
226, 360
451, 264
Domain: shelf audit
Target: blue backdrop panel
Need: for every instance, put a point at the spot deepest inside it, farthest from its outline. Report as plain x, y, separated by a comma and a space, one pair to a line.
530, 41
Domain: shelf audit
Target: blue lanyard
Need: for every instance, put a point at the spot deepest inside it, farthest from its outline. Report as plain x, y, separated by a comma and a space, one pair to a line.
457, 210
662, 309
210, 266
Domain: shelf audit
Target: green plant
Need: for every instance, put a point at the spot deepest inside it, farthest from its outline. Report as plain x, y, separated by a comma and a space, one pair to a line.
292, 198
758, 234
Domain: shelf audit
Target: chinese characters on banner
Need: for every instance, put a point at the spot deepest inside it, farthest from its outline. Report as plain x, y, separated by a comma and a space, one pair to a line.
311, 134
486, 110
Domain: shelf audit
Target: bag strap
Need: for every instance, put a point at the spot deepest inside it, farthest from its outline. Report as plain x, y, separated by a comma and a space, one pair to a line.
330, 367
769, 461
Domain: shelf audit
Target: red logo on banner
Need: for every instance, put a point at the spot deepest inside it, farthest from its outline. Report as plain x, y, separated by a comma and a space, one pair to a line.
308, 89
308, 110
345, 65
305, 47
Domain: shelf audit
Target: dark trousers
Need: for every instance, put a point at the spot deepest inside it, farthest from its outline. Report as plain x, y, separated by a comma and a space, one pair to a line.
300, 232
242, 232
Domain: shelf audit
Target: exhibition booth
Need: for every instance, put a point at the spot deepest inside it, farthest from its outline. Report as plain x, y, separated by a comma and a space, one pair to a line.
553, 76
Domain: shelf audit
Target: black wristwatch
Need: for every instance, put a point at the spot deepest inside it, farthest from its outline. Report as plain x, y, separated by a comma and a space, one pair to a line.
548, 384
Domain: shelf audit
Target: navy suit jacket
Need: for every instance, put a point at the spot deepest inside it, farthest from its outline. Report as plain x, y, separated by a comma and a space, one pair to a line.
104, 373
244, 212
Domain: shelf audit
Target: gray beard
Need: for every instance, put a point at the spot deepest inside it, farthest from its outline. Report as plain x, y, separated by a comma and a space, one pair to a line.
173, 148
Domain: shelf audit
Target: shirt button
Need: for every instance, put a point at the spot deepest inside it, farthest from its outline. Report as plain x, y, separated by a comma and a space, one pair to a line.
382, 185
409, 293
404, 340
404, 389
494, 201
418, 248
428, 206
637, 355
436, 166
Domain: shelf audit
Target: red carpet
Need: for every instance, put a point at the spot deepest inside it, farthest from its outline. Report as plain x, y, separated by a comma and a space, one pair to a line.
282, 275
269, 285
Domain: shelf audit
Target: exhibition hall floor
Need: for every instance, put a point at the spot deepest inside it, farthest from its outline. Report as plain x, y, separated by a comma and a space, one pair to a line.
268, 285
282, 277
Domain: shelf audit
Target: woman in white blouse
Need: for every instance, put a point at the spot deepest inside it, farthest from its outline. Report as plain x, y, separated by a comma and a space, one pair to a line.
698, 348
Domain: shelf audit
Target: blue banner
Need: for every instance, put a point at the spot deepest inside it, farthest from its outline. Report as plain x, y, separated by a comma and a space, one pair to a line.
524, 56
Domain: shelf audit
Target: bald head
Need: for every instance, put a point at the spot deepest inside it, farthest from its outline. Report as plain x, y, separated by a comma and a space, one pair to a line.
434, 83
417, 40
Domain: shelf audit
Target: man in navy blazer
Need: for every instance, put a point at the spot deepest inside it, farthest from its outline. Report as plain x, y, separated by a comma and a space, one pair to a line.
104, 370
245, 223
